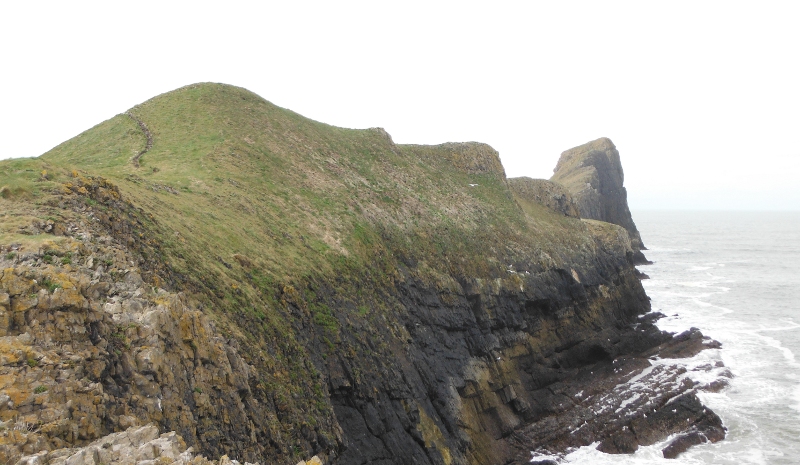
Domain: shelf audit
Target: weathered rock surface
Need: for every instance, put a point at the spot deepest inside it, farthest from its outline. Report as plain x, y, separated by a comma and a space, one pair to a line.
473, 157
138, 445
592, 173
89, 349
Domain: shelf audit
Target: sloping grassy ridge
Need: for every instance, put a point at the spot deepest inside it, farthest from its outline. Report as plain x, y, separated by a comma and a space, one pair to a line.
300, 240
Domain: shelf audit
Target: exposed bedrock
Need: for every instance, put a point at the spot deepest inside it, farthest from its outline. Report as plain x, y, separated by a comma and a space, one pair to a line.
476, 364
632, 400
593, 174
489, 371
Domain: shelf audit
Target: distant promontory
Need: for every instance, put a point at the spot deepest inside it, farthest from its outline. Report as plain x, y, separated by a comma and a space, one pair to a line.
592, 173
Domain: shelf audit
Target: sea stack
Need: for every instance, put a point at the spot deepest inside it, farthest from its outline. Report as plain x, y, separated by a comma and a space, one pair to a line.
592, 173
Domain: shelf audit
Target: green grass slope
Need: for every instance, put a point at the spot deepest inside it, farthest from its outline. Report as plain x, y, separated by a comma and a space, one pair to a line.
229, 173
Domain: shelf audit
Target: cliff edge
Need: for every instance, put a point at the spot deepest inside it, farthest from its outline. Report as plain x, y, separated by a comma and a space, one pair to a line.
272, 288
592, 173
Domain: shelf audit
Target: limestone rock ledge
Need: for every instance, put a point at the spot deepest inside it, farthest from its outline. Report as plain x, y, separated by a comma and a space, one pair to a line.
136, 445
140, 445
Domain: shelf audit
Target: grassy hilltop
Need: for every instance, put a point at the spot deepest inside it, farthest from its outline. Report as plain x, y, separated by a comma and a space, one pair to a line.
289, 233
231, 175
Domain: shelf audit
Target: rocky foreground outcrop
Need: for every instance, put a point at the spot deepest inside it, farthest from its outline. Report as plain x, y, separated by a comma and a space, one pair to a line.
88, 348
442, 313
593, 174
138, 445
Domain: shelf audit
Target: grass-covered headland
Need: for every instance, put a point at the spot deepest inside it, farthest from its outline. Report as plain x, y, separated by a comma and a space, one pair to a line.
306, 245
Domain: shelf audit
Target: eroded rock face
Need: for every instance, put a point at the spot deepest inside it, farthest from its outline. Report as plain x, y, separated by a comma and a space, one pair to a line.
88, 349
592, 173
490, 372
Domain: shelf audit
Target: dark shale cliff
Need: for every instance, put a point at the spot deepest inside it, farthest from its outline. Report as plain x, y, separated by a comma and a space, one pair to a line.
592, 173
272, 288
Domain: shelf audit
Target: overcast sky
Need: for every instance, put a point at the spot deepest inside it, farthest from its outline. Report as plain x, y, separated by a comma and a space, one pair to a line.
702, 99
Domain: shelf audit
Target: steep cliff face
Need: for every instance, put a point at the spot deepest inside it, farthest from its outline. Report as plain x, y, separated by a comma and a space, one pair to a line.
592, 173
272, 288
88, 348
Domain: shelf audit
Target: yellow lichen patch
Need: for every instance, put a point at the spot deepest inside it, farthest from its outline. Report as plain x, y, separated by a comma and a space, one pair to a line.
61, 245
433, 436
14, 284
22, 303
517, 282
17, 395
188, 325
13, 436
13, 349
60, 279
6, 379
67, 298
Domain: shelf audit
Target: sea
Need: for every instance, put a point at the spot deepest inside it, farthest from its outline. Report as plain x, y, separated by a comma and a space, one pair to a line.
736, 276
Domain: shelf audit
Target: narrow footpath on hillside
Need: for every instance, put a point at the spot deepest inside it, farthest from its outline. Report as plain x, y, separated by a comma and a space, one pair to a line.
147, 133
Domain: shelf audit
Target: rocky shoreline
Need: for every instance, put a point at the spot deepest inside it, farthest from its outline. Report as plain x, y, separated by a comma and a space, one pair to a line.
639, 397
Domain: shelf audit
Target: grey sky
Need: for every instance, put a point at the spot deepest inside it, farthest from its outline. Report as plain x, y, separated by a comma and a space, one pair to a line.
701, 98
